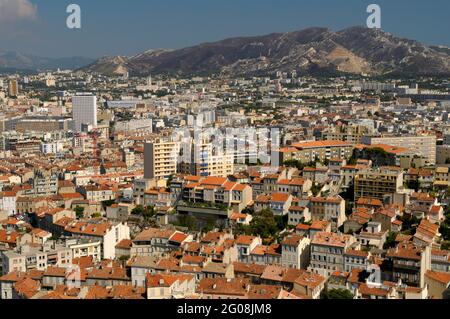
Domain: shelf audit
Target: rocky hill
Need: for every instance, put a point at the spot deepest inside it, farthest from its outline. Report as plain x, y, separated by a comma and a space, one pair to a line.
355, 50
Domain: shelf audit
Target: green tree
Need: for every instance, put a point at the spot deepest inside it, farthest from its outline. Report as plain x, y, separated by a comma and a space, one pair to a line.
263, 224
352, 160
446, 294
186, 221
336, 294
409, 223
445, 245
148, 212
315, 189
210, 225
79, 211
138, 210
108, 203
248, 210
124, 259
445, 231
390, 240
282, 222
294, 163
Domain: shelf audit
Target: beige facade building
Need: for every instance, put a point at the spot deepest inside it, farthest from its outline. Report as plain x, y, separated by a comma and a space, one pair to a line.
352, 133
438, 283
168, 286
13, 88
160, 159
295, 252
327, 252
422, 145
375, 183
206, 160
331, 209
310, 151
442, 154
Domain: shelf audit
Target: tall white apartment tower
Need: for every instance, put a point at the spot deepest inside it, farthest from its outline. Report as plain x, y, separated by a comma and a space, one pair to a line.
84, 110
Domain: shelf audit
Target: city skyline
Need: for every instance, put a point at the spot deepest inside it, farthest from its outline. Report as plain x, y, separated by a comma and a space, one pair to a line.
256, 151
39, 28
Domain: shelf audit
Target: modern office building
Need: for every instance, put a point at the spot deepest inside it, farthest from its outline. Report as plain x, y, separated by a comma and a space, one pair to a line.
84, 110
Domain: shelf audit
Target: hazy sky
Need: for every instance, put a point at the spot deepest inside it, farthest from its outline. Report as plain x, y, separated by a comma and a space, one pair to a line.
111, 27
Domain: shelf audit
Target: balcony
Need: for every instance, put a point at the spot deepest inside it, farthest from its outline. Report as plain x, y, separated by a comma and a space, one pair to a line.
204, 208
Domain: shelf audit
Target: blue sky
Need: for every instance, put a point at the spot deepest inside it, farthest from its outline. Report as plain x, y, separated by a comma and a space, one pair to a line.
111, 27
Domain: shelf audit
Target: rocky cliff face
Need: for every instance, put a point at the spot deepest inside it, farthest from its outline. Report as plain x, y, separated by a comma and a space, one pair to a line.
355, 50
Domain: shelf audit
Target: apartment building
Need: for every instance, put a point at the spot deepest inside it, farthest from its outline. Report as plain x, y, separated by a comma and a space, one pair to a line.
266, 255
83, 247
281, 182
27, 257
207, 160
295, 252
327, 252
245, 245
355, 259
8, 202
378, 182
107, 232
409, 263
40, 257
43, 124
98, 193
421, 145
348, 172
169, 286
13, 88
310, 151
217, 191
440, 260
438, 283
298, 214
160, 159
278, 203
45, 184
328, 208
349, 133
157, 242
140, 186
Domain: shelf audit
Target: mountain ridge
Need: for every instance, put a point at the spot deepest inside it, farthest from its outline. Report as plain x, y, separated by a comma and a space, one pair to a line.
316, 50
19, 61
